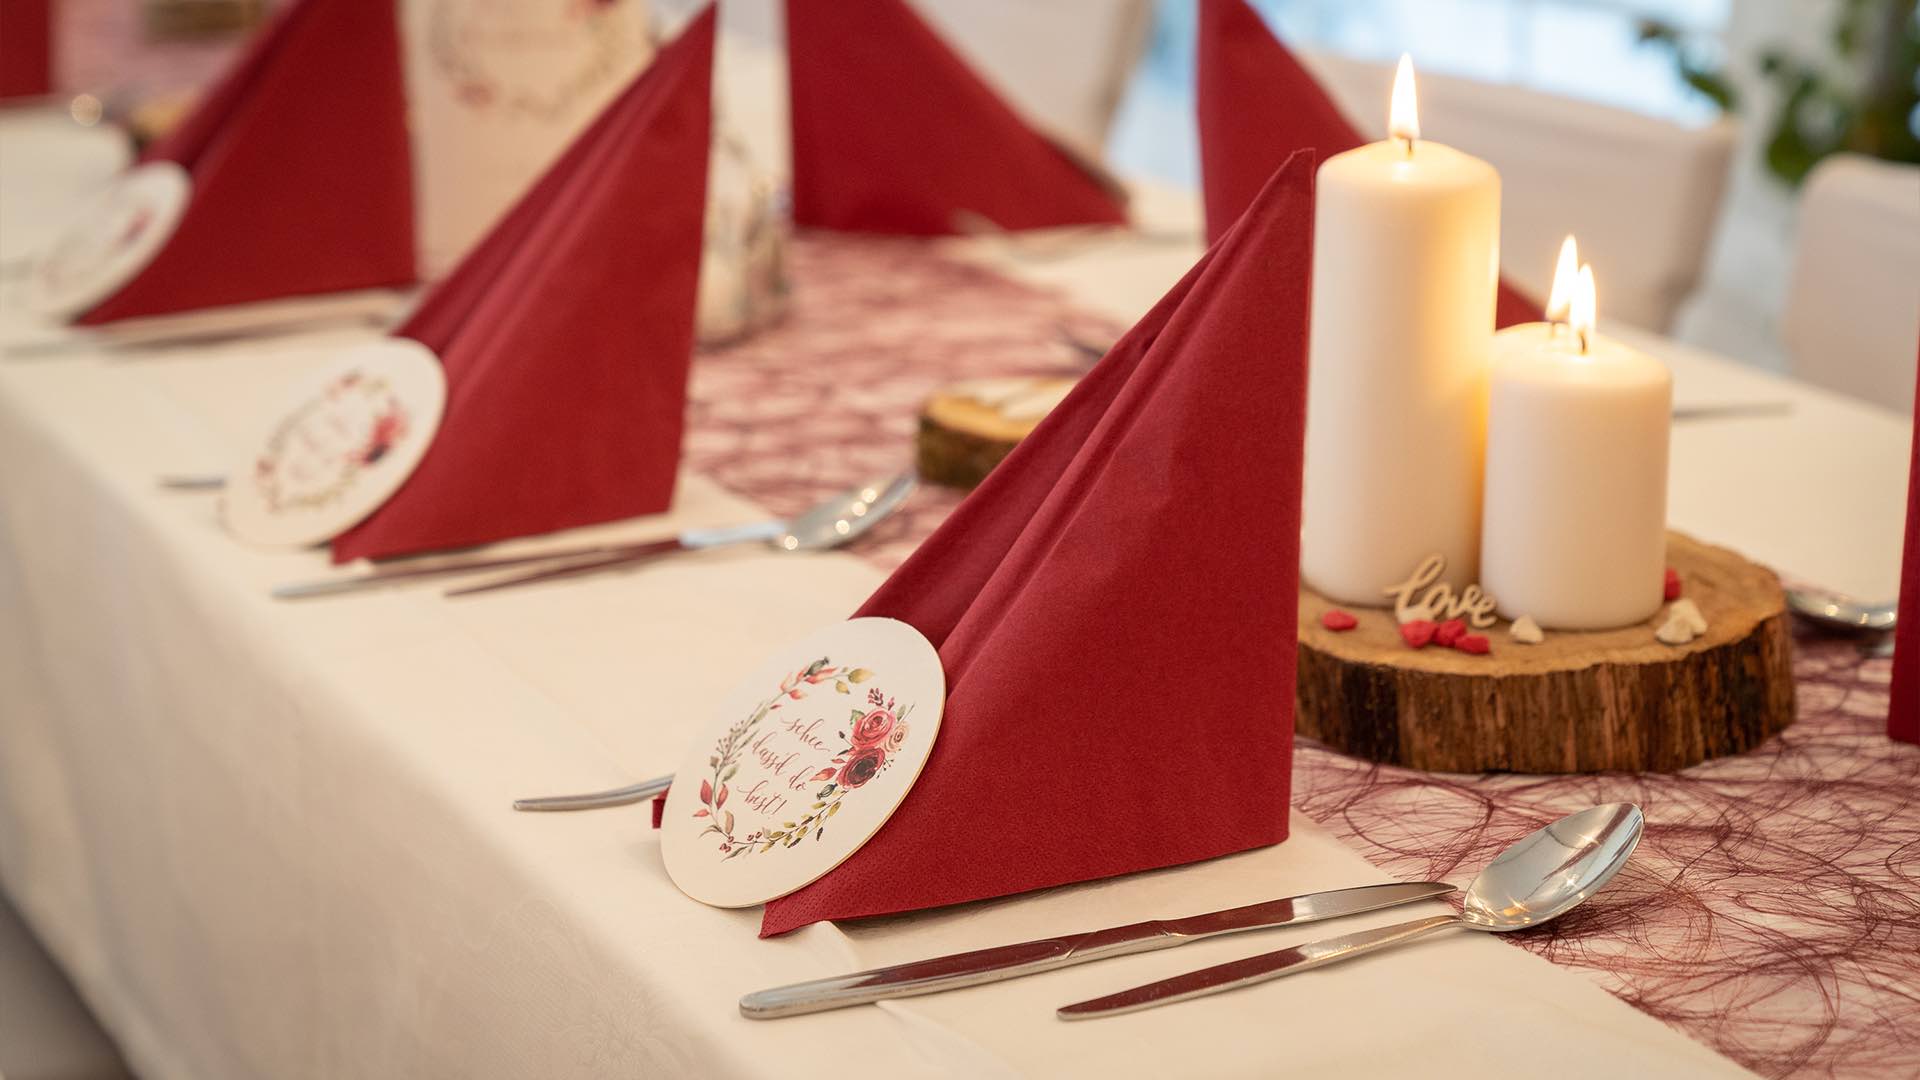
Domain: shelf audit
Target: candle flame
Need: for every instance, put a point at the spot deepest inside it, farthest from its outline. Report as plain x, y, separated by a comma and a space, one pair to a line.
1403, 117
1564, 274
1583, 309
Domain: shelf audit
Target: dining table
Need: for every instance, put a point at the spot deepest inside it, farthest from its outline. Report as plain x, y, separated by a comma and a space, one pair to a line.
274, 838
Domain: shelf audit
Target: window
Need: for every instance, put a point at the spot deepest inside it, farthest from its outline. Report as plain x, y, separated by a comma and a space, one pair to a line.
1579, 48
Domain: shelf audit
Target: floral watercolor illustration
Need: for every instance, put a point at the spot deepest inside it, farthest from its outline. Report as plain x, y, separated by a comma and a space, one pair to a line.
874, 735
318, 452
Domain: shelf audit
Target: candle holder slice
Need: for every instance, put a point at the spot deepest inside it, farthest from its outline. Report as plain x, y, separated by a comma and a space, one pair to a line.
1576, 702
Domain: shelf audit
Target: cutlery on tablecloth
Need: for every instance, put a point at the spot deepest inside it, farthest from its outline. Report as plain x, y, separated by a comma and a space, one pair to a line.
1032, 957
1544, 875
620, 796
833, 523
1836, 612
820, 527
192, 481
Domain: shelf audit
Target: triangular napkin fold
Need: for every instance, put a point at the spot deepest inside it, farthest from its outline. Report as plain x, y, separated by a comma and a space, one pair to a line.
1257, 104
302, 170
1115, 607
894, 133
567, 332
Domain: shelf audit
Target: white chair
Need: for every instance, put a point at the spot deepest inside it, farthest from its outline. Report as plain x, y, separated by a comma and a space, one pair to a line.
1063, 63
1852, 321
1641, 194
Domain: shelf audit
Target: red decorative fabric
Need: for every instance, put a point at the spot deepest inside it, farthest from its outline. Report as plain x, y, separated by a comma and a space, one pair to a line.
1157, 510
1257, 104
302, 171
894, 133
566, 334
1903, 713
26, 48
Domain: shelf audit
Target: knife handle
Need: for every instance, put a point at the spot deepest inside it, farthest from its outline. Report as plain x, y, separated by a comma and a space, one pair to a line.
949, 972
1258, 969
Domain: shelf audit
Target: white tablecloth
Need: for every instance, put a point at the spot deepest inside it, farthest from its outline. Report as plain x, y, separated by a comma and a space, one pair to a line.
271, 839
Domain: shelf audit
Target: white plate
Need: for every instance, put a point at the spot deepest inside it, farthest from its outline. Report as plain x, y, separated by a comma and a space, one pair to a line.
805, 760
353, 433
111, 240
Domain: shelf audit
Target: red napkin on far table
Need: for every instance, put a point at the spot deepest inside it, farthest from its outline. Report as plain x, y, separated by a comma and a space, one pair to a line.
302, 170
26, 48
1257, 105
567, 332
1115, 607
1903, 710
894, 133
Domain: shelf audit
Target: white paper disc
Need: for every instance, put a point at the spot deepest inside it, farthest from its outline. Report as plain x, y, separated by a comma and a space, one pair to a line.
352, 434
806, 760
112, 239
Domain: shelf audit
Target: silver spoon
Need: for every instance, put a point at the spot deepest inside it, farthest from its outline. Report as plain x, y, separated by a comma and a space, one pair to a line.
837, 521
815, 529
1834, 611
1544, 875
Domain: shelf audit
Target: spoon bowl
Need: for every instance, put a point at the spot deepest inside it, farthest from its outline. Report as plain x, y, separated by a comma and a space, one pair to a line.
1550, 871
845, 517
1843, 614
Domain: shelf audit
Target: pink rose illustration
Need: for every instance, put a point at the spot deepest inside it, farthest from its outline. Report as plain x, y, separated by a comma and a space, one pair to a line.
896, 738
872, 728
863, 765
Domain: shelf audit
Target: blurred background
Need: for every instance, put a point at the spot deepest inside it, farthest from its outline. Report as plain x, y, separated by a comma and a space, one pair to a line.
1702, 128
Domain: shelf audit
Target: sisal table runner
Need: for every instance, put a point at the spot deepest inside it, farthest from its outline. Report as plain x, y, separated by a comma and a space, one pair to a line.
1773, 911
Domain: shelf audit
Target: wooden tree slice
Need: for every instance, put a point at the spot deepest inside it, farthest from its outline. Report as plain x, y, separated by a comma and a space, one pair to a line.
968, 428
1577, 702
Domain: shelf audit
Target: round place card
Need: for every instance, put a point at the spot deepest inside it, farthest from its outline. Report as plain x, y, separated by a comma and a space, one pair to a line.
112, 239
353, 434
806, 760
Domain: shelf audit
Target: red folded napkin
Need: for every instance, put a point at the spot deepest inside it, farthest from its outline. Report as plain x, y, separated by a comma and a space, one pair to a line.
1257, 105
1903, 709
567, 332
26, 48
302, 170
1114, 607
894, 133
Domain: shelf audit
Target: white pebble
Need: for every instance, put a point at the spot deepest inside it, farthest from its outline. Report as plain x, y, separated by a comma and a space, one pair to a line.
1525, 631
1676, 630
1688, 612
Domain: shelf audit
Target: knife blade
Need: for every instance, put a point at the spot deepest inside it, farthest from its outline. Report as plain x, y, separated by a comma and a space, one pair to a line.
1032, 957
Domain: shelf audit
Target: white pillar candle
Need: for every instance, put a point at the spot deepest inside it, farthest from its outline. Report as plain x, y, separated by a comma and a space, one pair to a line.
1405, 263
1576, 491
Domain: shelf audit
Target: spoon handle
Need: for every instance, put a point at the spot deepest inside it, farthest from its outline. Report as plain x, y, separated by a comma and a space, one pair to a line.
1258, 969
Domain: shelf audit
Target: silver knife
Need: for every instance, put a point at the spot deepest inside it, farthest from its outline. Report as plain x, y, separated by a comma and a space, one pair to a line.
427, 566
1031, 957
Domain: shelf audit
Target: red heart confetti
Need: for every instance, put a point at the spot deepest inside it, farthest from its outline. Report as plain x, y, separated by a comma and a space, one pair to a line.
1477, 644
1449, 632
1417, 633
1672, 586
1337, 620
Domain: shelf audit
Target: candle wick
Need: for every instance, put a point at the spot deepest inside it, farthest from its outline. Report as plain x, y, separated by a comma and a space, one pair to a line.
1408, 140
1585, 344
